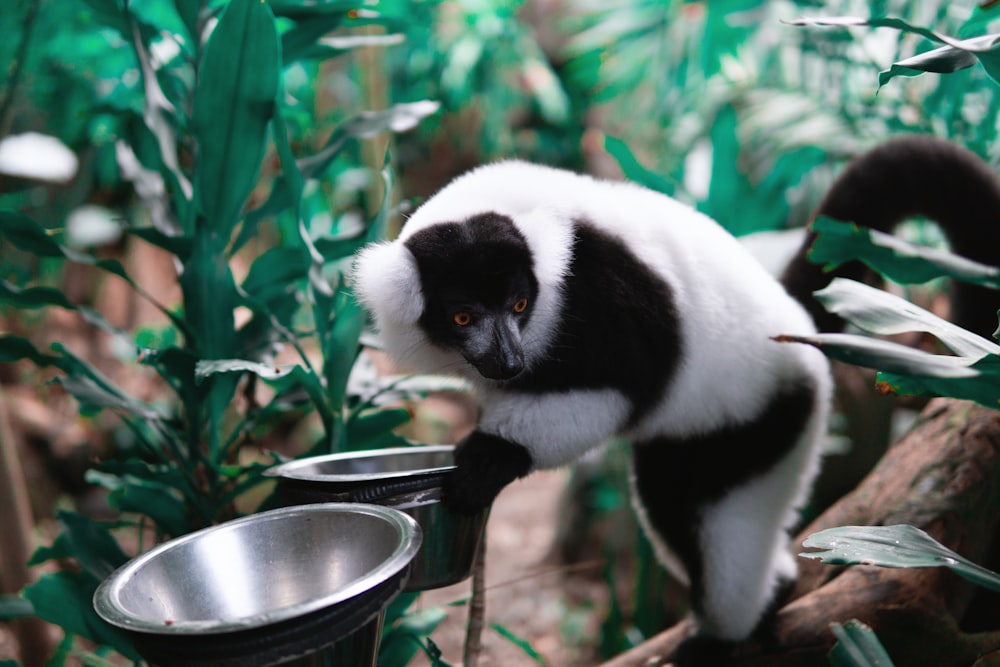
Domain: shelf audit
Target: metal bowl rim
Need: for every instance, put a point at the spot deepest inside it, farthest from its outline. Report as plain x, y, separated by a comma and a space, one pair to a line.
292, 469
410, 534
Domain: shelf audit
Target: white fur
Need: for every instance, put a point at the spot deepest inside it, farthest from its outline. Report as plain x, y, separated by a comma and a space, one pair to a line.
556, 428
730, 308
744, 537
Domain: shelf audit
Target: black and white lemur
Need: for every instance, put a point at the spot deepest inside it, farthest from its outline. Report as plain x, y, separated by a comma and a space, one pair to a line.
582, 309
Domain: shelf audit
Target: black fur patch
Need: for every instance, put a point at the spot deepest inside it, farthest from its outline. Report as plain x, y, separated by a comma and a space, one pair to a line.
481, 262
909, 176
619, 327
677, 478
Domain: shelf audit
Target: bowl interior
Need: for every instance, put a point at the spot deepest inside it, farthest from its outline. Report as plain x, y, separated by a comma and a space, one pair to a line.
261, 569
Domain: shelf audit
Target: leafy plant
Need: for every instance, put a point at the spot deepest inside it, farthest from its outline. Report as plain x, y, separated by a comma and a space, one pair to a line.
973, 374
957, 54
200, 127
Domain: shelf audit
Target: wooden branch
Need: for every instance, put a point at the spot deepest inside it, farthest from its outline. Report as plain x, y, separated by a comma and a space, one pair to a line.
943, 477
16, 543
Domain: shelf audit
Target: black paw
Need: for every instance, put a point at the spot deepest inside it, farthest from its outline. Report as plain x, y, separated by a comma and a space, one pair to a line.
700, 651
484, 465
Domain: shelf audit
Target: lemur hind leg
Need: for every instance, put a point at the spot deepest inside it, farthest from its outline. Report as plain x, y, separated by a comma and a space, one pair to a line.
719, 506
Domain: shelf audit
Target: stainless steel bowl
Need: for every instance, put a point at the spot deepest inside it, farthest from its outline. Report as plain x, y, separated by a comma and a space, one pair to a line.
406, 478
265, 588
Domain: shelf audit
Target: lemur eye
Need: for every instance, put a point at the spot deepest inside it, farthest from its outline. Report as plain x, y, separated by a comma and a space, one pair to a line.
521, 305
462, 319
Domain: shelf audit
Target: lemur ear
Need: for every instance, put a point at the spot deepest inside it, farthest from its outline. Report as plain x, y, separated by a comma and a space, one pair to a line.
386, 281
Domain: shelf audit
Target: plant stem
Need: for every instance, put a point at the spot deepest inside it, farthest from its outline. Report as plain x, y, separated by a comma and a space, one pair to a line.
17, 66
16, 542
477, 606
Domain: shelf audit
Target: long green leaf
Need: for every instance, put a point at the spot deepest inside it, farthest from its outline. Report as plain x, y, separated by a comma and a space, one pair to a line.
857, 646
879, 312
893, 546
521, 643
633, 169
233, 103
983, 389
898, 260
63, 598
91, 544
29, 236
957, 54
13, 607
888, 356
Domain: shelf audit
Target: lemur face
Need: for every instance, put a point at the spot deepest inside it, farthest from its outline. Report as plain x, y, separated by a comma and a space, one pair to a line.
479, 289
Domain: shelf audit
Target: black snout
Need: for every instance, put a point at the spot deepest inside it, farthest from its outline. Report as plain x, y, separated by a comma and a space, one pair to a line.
502, 357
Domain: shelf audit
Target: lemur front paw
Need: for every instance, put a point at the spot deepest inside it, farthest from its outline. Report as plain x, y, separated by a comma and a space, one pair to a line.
484, 464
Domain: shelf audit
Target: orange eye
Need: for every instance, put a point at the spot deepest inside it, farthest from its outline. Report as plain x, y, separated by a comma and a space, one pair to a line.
521, 305
462, 319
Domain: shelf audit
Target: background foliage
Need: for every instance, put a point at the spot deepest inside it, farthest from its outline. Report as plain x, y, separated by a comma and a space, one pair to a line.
243, 145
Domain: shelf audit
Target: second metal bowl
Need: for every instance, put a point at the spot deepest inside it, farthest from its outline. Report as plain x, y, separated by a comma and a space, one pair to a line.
409, 479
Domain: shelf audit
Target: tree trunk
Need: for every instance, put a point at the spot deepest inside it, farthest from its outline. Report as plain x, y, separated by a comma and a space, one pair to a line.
943, 477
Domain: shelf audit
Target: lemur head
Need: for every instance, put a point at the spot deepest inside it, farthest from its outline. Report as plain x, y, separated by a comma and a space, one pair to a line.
478, 290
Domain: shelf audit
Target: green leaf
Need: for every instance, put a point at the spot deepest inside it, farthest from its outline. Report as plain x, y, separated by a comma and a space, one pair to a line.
274, 274
340, 349
12, 607
885, 355
365, 428
16, 348
90, 393
163, 504
89, 542
944, 60
27, 235
298, 42
901, 261
857, 646
267, 372
879, 312
309, 9
233, 103
983, 389
633, 170
957, 54
210, 298
64, 599
898, 546
32, 297
904, 370
521, 643
176, 245
401, 640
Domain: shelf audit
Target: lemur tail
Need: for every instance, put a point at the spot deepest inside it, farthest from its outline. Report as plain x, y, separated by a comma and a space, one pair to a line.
915, 175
